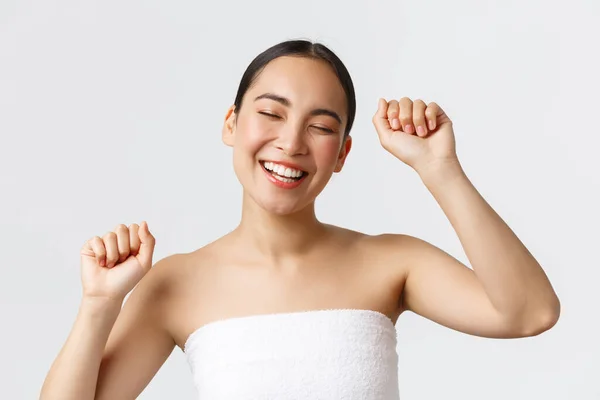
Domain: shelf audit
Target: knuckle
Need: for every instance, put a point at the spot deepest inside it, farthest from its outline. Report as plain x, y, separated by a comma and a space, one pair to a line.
419, 118
383, 140
405, 118
109, 235
120, 228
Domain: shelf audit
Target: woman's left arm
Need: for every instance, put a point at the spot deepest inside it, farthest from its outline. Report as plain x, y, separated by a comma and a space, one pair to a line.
513, 280
507, 293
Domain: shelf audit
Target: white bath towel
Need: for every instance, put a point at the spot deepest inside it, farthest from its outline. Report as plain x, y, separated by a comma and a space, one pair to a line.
323, 354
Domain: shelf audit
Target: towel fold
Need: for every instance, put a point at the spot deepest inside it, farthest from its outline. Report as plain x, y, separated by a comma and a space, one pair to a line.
322, 354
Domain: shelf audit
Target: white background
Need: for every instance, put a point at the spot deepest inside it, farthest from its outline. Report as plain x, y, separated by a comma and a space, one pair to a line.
110, 112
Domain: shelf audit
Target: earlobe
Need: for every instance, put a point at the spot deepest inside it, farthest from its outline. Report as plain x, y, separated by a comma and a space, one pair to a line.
346, 146
228, 132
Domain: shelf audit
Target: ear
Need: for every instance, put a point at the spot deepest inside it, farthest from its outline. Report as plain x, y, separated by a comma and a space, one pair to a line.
346, 146
228, 132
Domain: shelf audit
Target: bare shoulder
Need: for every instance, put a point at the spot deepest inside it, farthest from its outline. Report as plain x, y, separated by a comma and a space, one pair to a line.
378, 267
375, 246
388, 253
385, 246
402, 253
169, 273
409, 254
160, 280
173, 274
404, 249
159, 294
152, 296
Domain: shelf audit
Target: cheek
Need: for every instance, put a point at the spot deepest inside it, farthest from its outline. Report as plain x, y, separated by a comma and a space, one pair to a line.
252, 134
328, 151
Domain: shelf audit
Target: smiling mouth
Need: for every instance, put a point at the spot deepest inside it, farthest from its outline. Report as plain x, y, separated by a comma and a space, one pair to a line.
283, 173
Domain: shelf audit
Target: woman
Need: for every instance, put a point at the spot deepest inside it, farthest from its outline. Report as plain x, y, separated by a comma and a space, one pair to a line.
286, 306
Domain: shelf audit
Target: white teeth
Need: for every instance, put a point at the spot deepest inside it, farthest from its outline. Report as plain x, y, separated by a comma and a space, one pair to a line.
282, 171
282, 179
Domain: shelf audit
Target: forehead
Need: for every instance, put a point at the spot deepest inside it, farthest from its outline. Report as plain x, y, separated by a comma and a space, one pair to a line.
306, 82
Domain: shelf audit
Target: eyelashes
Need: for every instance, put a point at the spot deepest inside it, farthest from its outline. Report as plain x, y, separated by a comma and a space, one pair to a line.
269, 115
277, 117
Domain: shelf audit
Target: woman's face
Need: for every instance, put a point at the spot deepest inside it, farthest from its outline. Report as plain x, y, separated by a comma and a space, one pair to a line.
288, 137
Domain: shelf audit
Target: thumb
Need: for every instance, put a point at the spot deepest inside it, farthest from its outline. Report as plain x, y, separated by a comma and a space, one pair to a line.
381, 122
147, 245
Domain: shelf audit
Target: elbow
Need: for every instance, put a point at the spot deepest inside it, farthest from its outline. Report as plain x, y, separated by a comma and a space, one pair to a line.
541, 320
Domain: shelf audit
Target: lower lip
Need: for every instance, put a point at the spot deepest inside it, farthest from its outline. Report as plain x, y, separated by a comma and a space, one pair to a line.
278, 183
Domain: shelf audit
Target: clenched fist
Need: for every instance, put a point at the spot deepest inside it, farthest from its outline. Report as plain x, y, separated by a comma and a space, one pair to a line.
111, 266
419, 134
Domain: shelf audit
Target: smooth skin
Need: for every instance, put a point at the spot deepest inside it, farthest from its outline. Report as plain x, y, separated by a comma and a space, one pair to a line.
282, 259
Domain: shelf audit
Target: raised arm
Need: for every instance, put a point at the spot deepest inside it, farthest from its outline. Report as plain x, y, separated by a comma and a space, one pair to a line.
507, 294
112, 352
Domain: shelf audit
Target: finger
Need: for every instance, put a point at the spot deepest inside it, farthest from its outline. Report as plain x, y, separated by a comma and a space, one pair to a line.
432, 112
112, 249
406, 115
122, 242
134, 239
382, 106
381, 121
86, 249
418, 117
392, 114
97, 246
147, 245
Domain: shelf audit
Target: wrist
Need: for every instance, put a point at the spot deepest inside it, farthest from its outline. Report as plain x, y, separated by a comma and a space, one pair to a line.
441, 172
95, 319
100, 305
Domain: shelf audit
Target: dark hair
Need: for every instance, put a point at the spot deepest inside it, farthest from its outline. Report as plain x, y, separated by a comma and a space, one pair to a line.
300, 48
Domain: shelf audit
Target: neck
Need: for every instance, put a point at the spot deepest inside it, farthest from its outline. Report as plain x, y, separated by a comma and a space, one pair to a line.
279, 237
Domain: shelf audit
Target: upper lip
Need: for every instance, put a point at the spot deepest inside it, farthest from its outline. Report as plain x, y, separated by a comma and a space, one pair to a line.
286, 164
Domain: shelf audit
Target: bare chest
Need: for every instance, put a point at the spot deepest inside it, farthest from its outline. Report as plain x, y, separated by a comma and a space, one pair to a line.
228, 289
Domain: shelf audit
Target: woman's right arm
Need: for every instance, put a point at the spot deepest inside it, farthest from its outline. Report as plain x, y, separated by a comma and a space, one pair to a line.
113, 352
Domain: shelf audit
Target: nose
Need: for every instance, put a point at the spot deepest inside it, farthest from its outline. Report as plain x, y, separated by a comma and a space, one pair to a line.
292, 140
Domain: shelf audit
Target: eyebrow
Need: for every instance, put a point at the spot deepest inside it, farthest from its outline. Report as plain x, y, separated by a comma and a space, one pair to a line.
287, 103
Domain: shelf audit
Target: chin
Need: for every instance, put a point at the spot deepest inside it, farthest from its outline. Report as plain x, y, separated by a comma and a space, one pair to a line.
274, 197
280, 208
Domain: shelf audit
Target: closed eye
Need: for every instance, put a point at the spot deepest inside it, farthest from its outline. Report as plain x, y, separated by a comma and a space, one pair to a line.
324, 129
274, 116
269, 115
